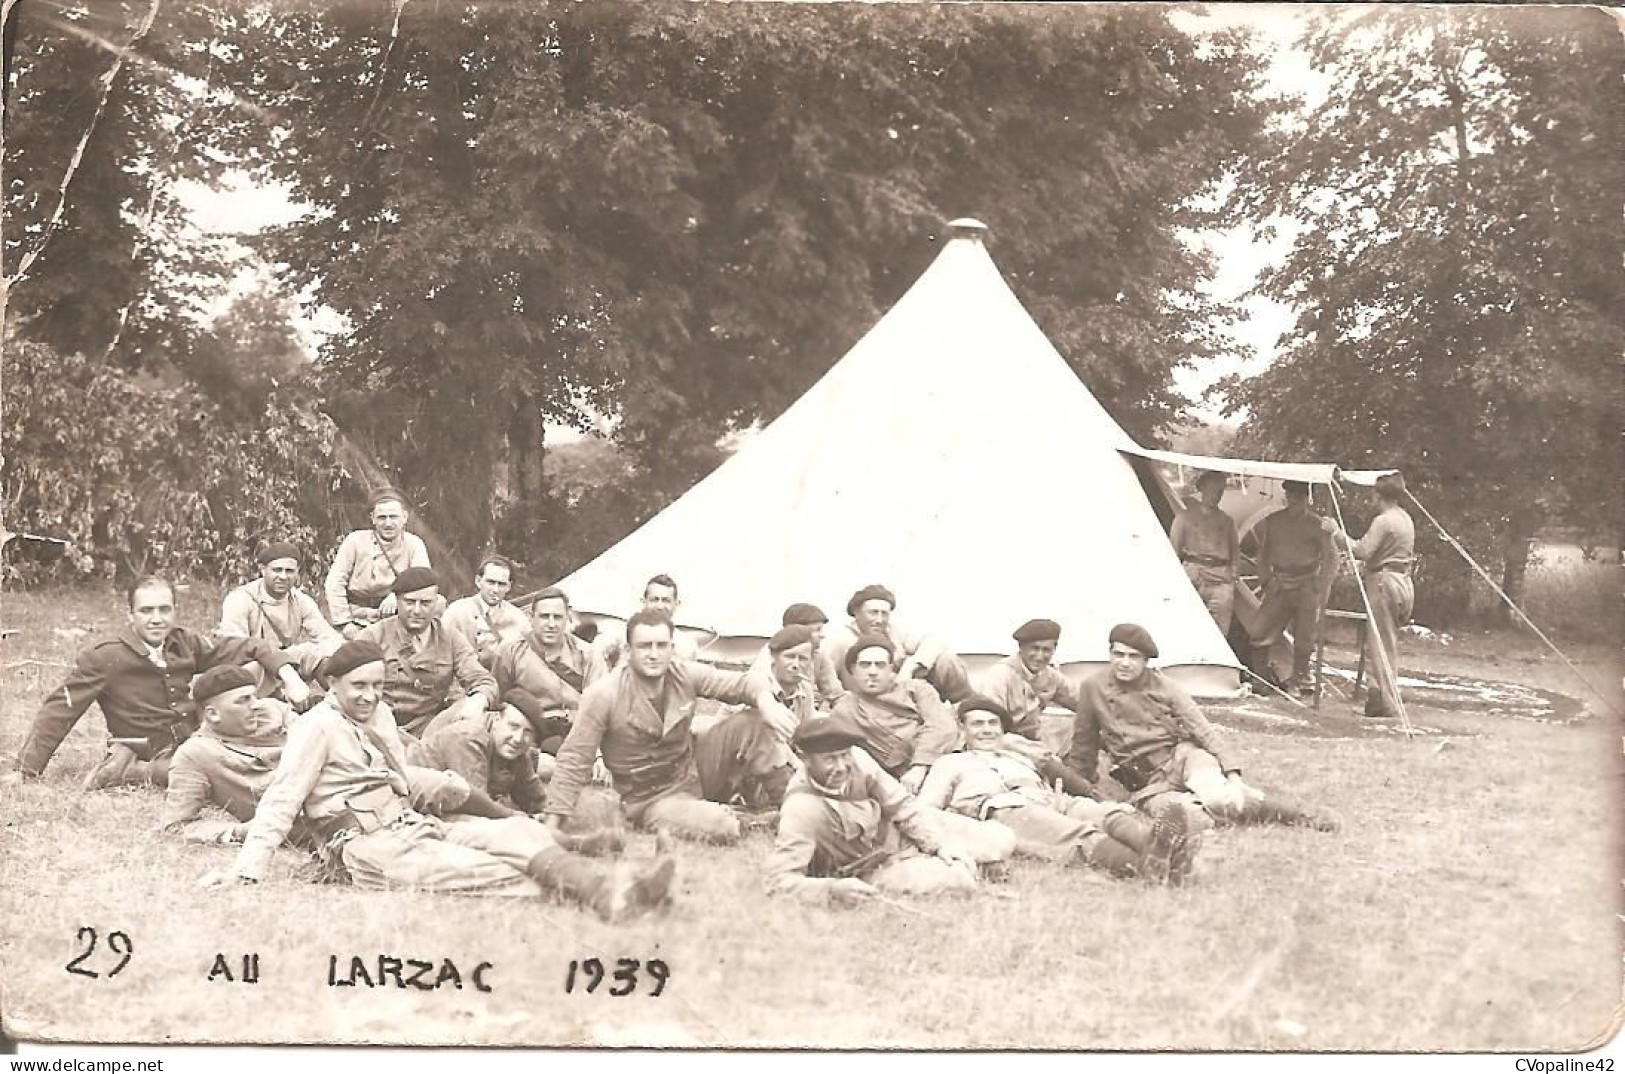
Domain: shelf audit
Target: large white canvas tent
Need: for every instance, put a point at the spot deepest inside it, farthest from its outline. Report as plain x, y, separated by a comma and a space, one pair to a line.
953, 456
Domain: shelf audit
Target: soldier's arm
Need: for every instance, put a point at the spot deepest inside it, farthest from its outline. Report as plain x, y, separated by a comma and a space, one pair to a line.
921, 647
297, 772
62, 709
462, 754
896, 803
940, 734
419, 551
185, 798
528, 791
211, 654
1265, 574
530, 673
1084, 755
472, 675
825, 679
236, 616
1178, 532
785, 869
314, 626
337, 584
577, 753
733, 687
1188, 715
938, 789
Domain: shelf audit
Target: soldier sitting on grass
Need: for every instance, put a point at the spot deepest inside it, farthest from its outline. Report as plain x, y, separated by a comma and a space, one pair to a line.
142, 679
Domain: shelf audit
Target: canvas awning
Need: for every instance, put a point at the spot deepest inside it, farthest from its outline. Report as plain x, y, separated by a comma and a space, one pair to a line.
1312, 473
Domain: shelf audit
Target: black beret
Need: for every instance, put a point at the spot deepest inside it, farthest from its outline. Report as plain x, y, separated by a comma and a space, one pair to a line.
789, 638
216, 681
351, 655
1135, 636
826, 734
413, 579
983, 703
804, 615
1290, 487
278, 550
867, 593
1038, 630
869, 641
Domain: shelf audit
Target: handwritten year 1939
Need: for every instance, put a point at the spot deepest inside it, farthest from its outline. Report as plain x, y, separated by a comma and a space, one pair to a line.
587, 974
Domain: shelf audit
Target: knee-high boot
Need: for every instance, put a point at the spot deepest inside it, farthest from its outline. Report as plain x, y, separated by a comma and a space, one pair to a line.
1161, 851
611, 894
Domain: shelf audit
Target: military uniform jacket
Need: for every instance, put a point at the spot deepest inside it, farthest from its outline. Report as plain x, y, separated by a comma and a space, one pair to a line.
138, 699
418, 683
1149, 716
1025, 695
976, 781
646, 738
249, 612
465, 747
363, 570
907, 725
822, 832
556, 683
468, 617
227, 773
924, 648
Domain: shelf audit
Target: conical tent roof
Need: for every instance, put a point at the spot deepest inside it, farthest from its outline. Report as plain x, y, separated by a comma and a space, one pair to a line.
951, 455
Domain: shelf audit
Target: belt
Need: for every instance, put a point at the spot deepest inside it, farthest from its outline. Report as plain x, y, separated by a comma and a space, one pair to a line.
1296, 574
1205, 561
1389, 568
361, 821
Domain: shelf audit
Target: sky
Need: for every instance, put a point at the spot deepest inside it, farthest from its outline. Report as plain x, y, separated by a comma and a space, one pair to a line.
241, 207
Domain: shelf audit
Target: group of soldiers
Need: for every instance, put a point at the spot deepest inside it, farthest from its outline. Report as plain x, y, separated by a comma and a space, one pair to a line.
472, 746
1296, 560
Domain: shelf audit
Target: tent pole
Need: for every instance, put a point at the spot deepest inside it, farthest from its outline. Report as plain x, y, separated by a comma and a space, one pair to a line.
1256, 677
1482, 573
1387, 665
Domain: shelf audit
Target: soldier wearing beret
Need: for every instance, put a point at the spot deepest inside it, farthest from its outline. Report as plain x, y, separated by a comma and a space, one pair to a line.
920, 656
360, 582
345, 768
492, 752
848, 831
1027, 683
425, 661
229, 762
823, 678
1008, 782
273, 608
142, 679
1294, 558
545, 672
1160, 747
485, 618
1204, 538
1386, 554
904, 724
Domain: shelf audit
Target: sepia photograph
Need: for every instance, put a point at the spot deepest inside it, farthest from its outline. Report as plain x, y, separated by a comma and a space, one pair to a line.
819, 526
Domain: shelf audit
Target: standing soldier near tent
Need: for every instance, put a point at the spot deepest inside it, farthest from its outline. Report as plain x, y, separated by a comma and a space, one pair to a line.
359, 584
1386, 554
1204, 538
1293, 553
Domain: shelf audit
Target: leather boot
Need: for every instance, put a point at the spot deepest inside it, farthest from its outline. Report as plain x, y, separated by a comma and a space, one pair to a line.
611, 894
112, 770
1107, 853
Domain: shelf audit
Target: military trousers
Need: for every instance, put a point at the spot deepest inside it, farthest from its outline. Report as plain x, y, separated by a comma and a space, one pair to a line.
1217, 588
464, 856
1056, 830
1392, 598
1295, 604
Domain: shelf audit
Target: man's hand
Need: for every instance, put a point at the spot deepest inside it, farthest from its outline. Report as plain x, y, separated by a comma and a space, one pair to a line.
350, 630
954, 857
1330, 526
600, 773
914, 777
294, 688
466, 707
850, 891
386, 606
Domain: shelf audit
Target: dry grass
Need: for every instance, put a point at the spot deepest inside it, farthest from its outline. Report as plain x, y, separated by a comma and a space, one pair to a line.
1471, 902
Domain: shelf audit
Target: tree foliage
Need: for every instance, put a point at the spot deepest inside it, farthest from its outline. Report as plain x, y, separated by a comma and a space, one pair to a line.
1457, 275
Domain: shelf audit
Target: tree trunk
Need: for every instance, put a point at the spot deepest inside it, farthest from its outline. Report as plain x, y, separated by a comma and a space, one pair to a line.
1517, 539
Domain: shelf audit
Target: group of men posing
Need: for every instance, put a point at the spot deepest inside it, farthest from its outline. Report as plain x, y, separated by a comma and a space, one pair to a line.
451, 747
1296, 560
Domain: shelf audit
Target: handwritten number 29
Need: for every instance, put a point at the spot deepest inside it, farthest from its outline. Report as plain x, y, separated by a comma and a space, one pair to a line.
118, 941
588, 974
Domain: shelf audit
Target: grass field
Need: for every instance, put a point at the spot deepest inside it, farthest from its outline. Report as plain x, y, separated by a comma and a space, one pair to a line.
1472, 902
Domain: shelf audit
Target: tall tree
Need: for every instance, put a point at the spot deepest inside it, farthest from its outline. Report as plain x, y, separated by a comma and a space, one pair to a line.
1458, 275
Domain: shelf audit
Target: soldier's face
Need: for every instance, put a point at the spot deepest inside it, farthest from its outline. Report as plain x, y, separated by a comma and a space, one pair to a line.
233, 714
389, 519
982, 729
280, 576
1297, 502
357, 694
1036, 655
874, 616
650, 645
832, 770
152, 613
493, 583
417, 608
511, 734
1127, 664
1211, 492
790, 666
550, 619
817, 634
660, 598
873, 671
